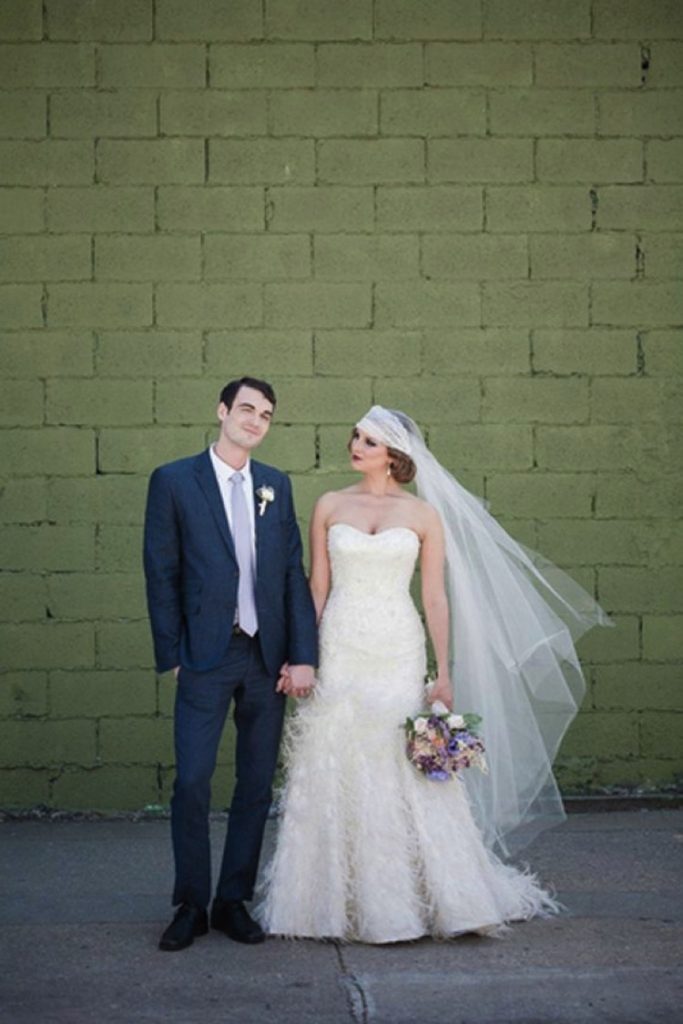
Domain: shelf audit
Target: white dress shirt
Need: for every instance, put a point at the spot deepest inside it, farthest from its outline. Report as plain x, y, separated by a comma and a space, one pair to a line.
224, 473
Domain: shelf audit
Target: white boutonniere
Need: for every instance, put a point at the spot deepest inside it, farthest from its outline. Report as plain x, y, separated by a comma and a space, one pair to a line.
266, 494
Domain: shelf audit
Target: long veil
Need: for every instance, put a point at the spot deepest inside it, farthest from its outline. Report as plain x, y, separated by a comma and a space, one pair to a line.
515, 618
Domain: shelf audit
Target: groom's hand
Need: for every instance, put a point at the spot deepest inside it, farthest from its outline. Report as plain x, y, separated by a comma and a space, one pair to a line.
282, 685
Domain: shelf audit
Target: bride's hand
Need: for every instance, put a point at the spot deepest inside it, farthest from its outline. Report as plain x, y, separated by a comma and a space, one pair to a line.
301, 680
441, 689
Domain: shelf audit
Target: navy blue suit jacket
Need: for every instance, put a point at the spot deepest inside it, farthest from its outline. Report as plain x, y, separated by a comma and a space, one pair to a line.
191, 570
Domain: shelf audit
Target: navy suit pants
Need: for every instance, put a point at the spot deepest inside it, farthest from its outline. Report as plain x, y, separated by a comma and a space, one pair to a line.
203, 700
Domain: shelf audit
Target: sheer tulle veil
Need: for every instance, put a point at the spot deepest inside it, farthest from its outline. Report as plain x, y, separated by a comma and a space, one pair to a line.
515, 618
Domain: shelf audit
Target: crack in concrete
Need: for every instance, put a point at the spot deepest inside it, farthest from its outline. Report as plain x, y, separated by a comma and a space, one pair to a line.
356, 996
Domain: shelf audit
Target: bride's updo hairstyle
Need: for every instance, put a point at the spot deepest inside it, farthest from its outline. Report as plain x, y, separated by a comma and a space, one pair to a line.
403, 468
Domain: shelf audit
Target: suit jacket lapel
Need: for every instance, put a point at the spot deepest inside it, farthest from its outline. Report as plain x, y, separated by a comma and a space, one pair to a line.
260, 476
206, 479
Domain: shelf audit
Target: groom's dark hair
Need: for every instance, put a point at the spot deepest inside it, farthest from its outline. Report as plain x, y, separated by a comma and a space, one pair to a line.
229, 392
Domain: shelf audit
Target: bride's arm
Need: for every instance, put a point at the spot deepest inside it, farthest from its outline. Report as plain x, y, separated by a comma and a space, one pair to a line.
435, 604
320, 562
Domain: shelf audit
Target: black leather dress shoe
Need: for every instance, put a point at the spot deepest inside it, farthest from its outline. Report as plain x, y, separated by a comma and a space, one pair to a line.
183, 929
232, 918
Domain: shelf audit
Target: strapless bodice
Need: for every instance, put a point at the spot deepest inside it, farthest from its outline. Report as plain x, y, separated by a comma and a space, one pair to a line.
380, 562
369, 600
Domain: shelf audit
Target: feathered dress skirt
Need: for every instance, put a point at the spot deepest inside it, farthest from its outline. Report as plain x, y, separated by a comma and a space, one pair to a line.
367, 848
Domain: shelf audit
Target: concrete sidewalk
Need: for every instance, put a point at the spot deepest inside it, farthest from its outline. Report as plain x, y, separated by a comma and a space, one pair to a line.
83, 904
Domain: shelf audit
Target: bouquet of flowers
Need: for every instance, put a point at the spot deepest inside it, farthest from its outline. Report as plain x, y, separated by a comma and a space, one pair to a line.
440, 744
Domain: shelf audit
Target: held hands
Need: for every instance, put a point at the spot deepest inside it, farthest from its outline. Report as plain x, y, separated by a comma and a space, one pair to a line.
295, 680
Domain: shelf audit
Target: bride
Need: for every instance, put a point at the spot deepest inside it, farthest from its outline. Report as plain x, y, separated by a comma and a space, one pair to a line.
367, 848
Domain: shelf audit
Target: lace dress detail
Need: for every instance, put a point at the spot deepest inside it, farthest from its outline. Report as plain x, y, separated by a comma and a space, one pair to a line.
367, 848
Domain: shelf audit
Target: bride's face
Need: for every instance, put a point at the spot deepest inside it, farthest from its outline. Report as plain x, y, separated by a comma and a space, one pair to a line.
367, 455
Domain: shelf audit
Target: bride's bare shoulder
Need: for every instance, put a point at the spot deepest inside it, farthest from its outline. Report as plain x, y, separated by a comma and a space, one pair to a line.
418, 505
332, 499
425, 515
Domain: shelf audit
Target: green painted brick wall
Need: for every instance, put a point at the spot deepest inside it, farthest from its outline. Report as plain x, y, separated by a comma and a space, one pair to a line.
470, 209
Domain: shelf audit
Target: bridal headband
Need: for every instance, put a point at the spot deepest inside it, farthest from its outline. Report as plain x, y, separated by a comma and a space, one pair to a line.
515, 618
385, 425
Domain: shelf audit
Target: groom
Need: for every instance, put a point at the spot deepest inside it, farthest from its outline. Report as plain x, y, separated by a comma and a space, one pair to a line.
232, 616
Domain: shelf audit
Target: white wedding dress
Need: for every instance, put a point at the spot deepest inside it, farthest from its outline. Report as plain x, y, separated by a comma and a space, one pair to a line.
367, 848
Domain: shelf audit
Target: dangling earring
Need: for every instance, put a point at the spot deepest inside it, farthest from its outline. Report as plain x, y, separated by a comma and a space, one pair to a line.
389, 469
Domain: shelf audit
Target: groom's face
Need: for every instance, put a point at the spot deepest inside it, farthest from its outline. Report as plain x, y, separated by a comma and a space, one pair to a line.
248, 419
